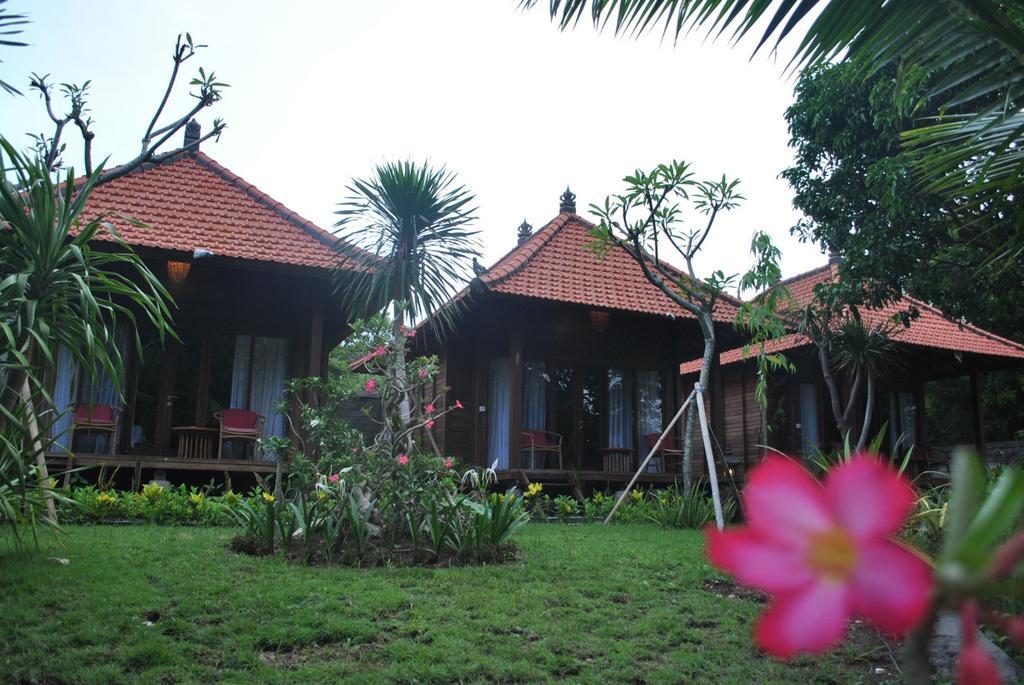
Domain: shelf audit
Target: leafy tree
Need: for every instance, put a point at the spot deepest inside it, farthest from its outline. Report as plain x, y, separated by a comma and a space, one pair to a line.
57, 289
972, 155
412, 222
853, 181
647, 222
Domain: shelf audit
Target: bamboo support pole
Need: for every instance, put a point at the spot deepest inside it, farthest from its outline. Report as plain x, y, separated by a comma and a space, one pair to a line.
654, 450
709, 455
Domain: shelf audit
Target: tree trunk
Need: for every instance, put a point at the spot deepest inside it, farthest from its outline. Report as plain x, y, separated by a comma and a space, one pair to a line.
833, 392
404, 408
869, 409
37, 447
707, 327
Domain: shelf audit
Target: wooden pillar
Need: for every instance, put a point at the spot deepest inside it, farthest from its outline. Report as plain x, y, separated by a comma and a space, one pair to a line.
977, 415
515, 414
314, 358
203, 387
165, 394
743, 369
717, 391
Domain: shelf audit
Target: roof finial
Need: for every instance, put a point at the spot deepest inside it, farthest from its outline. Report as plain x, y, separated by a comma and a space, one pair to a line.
477, 269
192, 134
567, 201
525, 231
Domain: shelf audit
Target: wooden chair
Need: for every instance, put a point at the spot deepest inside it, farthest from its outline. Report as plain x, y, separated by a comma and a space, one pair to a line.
537, 443
95, 418
238, 424
670, 450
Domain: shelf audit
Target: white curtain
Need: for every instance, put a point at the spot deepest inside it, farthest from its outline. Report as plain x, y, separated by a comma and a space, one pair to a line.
810, 437
263, 388
63, 397
535, 396
101, 389
620, 408
649, 417
498, 413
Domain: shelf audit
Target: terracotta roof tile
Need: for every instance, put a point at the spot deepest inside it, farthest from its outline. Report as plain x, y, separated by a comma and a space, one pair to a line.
190, 201
931, 328
554, 264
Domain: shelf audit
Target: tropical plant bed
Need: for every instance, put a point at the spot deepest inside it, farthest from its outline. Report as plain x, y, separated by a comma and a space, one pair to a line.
584, 603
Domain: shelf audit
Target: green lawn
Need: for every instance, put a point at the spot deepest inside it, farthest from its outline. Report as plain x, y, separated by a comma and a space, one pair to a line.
627, 604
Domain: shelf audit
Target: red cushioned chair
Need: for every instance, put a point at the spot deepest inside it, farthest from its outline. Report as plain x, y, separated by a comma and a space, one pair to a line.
238, 424
95, 418
669, 450
537, 444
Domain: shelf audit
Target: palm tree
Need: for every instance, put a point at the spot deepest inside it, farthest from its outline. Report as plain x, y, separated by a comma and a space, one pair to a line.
974, 49
57, 289
412, 222
863, 352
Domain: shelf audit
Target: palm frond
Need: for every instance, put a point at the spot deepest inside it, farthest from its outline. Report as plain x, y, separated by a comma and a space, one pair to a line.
413, 221
10, 25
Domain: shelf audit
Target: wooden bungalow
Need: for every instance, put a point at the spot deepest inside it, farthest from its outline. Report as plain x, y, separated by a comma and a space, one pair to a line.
565, 362
798, 416
251, 282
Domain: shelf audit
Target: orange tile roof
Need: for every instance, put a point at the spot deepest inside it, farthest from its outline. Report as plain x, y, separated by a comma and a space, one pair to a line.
554, 264
190, 201
931, 328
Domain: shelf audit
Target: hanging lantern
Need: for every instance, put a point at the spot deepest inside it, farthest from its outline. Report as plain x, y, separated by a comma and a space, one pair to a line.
177, 271
599, 320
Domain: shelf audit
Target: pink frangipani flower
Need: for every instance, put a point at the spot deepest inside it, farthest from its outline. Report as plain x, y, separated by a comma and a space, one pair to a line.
334, 478
422, 373
458, 405
449, 463
430, 423
371, 385
825, 552
429, 408
403, 459
380, 351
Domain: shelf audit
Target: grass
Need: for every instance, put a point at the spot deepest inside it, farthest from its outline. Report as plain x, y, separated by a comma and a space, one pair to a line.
148, 604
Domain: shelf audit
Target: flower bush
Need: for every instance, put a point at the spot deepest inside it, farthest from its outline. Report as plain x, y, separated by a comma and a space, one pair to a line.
395, 499
181, 505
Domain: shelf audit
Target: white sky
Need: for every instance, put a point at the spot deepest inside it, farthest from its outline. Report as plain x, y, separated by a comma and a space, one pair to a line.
322, 91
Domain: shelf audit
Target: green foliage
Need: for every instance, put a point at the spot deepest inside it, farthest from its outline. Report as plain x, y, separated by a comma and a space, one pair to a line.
181, 505
691, 508
411, 222
57, 289
390, 500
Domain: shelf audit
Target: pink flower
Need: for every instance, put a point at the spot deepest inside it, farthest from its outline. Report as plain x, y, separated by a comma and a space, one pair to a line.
448, 463
429, 408
422, 373
430, 423
407, 332
825, 553
458, 405
334, 477
975, 666
380, 351
371, 385
403, 459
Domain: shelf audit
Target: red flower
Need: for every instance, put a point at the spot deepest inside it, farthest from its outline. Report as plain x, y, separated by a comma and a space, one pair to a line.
975, 666
429, 408
448, 463
371, 385
825, 552
458, 405
403, 459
